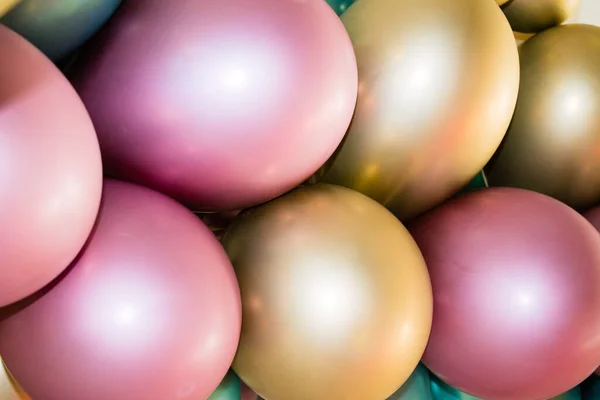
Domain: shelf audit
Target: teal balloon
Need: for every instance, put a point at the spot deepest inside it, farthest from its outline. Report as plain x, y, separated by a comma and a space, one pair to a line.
590, 389
59, 27
339, 6
479, 182
229, 389
443, 391
418, 386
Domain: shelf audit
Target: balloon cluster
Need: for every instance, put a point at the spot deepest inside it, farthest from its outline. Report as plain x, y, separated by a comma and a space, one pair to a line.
289, 199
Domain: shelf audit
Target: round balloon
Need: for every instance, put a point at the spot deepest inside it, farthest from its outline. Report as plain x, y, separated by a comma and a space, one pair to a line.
531, 16
51, 170
219, 104
9, 388
438, 84
551, 144
58, 27
336, 299
229, 388
339, 6
149, 310
417, 387
529, 296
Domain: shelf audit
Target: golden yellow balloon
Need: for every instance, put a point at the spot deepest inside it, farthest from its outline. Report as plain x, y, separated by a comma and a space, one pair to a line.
501, 2
9, 389
7, 5
336, 297
438, 84
531, 16
553, 144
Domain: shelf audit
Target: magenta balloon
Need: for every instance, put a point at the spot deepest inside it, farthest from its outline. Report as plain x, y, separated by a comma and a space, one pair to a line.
50, 170
150, 310
220, 104
593, 215
516, 278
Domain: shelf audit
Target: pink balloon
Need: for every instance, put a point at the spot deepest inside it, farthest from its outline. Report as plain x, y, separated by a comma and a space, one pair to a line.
150, 310
593, 216
247, 393
515, 278
50, 170
219, 104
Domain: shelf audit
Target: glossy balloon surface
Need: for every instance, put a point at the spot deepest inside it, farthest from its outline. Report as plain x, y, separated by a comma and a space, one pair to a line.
58, 27
531, 16
515, 278
339, 6
149, 310
222, 104
9, 389
229, 388
552, 143
50, 170
417, 387
438, 83
336, 297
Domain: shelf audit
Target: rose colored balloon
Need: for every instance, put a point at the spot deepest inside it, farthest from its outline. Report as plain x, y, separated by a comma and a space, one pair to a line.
50, 170
515, 278
150, 310
219, 104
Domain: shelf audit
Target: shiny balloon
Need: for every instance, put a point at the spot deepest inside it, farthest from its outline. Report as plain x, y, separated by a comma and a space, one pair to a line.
417, 387
219, 104
9, 388
58, 27
531, 16
518, 320
336, 299
7, 5
438, 83
229, 388
50, 170
339, 6
552, 145
150, 310
501, 2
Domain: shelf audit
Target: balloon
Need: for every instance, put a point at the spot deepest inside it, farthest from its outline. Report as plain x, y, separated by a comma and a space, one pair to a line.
479, 182
531, 16
501, 2
9, 389
219, 104
520, 320
590, 389
438, 84
7, 5
551, 144
336, 299
418, 387
339, 6
50, 170
247, 393
58, 27
150, 310
229, 389
443, 391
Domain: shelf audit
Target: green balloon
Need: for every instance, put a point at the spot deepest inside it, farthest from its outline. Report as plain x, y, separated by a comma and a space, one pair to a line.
418, 386
479, 182
229, 388
339, 6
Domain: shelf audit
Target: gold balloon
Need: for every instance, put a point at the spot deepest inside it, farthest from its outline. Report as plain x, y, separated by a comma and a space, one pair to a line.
9, 389
553, 144
438, 83
531, 16
7, 5
336, 297
501, 2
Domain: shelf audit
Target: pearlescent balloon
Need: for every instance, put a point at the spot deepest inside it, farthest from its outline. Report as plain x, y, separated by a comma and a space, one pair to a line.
58, 27
531, 16
418, 387
552, 144
339, 6
50, 170
336, 298
9, 389
438, 82
515, 278
229, 388
149, 310
220, 104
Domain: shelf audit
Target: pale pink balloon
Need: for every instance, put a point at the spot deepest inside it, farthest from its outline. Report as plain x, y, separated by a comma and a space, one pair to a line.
50, 170
221, 104
150, 310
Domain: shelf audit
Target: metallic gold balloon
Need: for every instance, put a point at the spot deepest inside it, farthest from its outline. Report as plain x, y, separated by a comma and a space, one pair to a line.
336, 297
9, 388
553, 144
7, 5
501, 2
531, 16
438, 84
